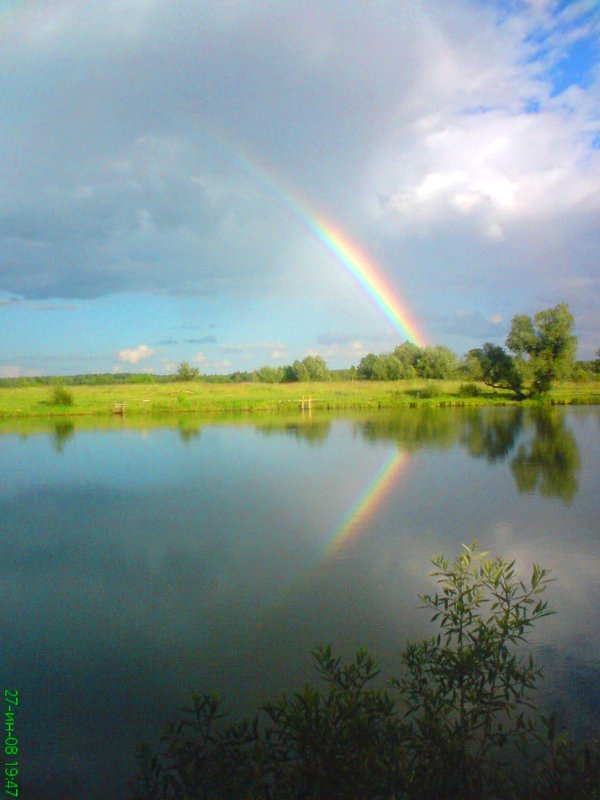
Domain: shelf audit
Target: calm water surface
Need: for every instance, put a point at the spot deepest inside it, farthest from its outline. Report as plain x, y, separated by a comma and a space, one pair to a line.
139, 564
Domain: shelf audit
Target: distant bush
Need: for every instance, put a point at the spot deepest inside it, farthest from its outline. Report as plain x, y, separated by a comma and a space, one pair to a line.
61, 396
469, 390
187, 373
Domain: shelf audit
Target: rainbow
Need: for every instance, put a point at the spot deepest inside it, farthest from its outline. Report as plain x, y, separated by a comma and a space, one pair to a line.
360, 266
368, 276
372, 497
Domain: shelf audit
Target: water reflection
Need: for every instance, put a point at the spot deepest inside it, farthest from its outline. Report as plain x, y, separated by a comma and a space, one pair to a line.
546, 455
550, 461
305, 427
188, 431
414, 428
61, 433
147, 558
494, 435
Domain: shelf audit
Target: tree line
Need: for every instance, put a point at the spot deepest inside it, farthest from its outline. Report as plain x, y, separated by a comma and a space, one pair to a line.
538, 352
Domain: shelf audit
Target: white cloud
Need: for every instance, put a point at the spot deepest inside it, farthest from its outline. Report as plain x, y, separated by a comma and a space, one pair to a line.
199, 358
135, 354
470, 144
499, 168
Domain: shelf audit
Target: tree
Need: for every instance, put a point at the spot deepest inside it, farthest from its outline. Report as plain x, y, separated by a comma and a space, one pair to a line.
387, 368
311, 368
187, 373
544, 348
316, 368
495, 367
436, 362
407, 355
365, 367
407, 361
268, 374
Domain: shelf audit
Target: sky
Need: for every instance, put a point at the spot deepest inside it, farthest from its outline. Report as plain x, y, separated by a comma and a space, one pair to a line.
168, 170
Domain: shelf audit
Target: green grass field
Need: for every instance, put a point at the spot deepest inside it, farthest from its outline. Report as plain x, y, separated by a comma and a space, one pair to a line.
206, 398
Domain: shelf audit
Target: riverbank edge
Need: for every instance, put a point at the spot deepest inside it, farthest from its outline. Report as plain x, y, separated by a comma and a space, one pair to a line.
248, 399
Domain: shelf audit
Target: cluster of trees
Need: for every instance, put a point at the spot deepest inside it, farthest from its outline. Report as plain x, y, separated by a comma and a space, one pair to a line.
457, 723
311, 368
408, 361
542, 351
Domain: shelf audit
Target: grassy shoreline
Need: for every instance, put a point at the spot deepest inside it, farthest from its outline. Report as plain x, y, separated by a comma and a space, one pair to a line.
249, 398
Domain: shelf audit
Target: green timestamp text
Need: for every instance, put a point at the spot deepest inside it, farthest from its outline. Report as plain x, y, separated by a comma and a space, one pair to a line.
11, 744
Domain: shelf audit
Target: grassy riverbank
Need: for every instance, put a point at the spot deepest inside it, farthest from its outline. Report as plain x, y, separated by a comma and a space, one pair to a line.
196, 397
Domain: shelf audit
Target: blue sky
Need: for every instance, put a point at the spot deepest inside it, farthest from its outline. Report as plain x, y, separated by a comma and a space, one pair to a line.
457, 143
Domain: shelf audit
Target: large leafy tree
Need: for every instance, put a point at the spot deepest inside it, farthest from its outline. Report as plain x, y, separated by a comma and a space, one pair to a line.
543, 347
542, 352
495, 367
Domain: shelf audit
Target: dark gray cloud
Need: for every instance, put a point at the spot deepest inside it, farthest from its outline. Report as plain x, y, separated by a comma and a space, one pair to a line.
158, 148
113, 196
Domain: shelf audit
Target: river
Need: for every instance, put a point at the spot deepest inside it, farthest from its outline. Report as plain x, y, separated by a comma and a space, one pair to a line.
142, 560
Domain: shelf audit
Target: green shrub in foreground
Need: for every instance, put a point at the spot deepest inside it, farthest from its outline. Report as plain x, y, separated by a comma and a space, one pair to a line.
458, 723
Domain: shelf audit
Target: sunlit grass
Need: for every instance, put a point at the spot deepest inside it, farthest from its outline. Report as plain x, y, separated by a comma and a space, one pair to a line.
193, 397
